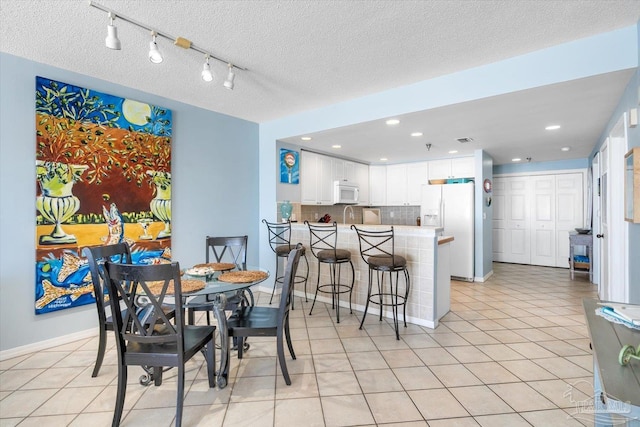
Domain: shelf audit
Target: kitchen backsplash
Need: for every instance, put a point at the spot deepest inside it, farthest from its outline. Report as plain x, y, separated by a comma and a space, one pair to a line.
390, 215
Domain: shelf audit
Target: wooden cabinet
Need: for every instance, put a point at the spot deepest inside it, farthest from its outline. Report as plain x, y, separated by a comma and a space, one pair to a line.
377, 185
461, 167
316, 179
404, 183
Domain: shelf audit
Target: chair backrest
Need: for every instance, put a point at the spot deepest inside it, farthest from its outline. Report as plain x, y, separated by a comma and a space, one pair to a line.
228, 249
144, 290
279, 234
97, 256
322, 237
379, 243
288, 281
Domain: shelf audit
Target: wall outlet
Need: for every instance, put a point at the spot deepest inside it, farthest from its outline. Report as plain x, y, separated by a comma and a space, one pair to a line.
316, 216
391, 214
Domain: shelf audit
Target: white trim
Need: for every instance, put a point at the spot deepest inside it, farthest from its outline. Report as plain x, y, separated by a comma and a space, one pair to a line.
43, 345
485, 278
544, 172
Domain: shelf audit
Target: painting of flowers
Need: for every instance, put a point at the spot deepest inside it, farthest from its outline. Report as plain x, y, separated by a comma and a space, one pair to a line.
103, 176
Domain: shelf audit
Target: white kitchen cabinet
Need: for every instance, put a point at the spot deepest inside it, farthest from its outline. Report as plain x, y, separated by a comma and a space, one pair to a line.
362, 179
460, 167
404, 183
316, 179
377, 185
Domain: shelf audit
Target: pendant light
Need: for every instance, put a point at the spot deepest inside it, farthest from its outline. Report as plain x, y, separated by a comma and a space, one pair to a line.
228, 83
207, 75
112, 41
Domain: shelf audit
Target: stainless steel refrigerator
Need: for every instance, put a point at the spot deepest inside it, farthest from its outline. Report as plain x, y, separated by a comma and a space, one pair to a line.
451, 206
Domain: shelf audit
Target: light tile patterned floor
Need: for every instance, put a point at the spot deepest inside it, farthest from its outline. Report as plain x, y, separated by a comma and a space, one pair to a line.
513, 351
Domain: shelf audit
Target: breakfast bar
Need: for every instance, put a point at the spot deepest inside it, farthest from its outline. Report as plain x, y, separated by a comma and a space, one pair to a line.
427, 255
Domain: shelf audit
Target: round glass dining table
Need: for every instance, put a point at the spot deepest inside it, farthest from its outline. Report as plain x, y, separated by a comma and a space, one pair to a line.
216, 294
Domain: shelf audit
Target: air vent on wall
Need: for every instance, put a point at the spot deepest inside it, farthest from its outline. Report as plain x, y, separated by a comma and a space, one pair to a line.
464, 140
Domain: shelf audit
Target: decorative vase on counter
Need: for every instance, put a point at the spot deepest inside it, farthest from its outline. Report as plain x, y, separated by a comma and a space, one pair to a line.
56, 203
285, 210
161, 204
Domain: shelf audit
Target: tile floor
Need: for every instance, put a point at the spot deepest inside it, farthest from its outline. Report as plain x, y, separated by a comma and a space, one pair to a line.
513, 351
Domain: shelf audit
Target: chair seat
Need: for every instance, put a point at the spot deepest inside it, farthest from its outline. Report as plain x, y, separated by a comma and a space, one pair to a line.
329, 255
258, 320
283, 250
380, 262
194, 338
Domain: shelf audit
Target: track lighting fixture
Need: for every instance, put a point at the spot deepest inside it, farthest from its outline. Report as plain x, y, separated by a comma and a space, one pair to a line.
207, 76
154, 54
228, 83
112, 41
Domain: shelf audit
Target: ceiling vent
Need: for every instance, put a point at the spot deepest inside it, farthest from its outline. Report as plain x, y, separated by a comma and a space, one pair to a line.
464, 140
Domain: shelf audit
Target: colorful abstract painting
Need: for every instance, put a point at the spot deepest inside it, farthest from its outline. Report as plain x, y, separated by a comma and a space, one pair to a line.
289, 166
103, 176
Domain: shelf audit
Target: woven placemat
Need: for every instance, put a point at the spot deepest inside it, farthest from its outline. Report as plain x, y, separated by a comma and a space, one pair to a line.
242, 276
188, 286
217, 266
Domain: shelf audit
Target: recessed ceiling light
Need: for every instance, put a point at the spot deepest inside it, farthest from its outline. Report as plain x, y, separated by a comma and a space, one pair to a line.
516, 159
553, 127
416, 134
392, 122
306, 138
566, 149
383, 159
336, 146
453, 151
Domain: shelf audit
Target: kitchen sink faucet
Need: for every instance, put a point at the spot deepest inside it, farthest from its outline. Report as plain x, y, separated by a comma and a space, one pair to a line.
344, 214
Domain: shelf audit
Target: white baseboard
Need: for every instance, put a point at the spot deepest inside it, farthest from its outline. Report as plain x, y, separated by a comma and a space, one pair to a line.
485, 278
43, 345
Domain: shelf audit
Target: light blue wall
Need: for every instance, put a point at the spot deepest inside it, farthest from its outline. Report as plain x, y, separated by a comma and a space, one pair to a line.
541, 166
215, 192
612, 51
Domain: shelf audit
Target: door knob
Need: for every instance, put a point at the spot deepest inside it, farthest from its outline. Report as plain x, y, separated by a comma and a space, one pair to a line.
599, 236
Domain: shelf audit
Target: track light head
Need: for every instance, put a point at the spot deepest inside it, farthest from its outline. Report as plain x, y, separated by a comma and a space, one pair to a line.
207, 75
228, 83
154, 53
112, 41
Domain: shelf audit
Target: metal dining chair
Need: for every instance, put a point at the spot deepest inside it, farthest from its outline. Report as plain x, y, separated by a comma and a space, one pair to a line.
280, 243
377, 249
323, 240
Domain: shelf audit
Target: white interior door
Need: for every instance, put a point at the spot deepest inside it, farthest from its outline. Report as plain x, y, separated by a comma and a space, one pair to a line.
603, 289
543, 221
569, 194
518, 234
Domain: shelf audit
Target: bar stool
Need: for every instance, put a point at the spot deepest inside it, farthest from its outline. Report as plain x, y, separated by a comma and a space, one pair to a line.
280, 243
323, 242
378, 251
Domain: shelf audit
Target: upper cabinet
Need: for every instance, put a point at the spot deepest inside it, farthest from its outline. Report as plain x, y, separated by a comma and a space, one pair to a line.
316, 179
377, 185
404, 183
318, 172
461, 167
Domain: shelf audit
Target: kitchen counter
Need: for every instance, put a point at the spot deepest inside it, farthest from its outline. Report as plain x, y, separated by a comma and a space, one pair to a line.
428, 258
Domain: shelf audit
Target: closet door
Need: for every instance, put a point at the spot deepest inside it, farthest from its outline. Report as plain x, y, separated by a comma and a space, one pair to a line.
518, 233
543, 220
499, 197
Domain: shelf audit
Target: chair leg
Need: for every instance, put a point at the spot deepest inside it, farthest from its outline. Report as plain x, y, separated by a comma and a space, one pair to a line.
120, 395
157, 376
394, 303
406, 296
317, 288
380, 289
366, 306
275, 282
180, 395
240, 346
210, 354
306, 277
288, 337
353, 282
102, 345
335, 289
283, 362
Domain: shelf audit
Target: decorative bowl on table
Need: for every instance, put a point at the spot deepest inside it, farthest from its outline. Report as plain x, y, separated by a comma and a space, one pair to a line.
583, 230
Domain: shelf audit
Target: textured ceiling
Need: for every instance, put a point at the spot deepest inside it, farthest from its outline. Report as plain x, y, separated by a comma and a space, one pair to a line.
300, 55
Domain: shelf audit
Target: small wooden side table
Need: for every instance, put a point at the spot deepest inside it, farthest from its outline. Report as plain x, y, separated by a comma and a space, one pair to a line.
576, 239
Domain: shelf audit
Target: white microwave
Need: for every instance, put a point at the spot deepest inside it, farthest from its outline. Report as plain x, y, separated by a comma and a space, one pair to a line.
345, 193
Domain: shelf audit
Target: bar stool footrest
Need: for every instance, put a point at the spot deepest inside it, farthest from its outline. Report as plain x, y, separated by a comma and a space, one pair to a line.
375, 299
